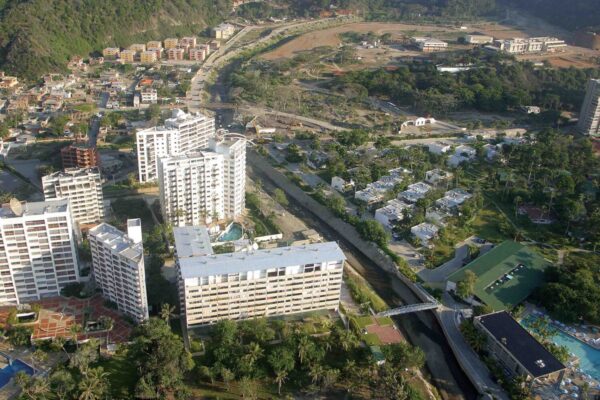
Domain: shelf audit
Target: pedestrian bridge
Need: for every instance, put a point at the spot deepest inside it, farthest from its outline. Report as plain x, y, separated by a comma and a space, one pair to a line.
408, 309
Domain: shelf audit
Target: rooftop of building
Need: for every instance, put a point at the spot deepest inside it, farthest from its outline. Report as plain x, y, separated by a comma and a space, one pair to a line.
72, 173
178, 116
515, 339
506, 275
16, 209
254, 260
118, 241
192, 241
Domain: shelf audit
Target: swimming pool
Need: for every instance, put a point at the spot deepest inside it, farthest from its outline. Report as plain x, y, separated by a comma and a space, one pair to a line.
589, 357
11, 370
233, 232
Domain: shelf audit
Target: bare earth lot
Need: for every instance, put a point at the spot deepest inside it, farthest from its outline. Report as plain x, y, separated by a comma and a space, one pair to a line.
331, 36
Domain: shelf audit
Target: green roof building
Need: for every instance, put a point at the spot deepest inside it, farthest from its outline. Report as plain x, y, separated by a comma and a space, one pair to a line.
506, 275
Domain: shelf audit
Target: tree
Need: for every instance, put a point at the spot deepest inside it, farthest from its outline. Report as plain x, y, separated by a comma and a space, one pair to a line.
94, 385
166, 312
249, 388
85, 356
75, 330
373, 231
466, 287
38, 356
280, 197
36, 388
153, 113
63, 384
282, 361
160, 358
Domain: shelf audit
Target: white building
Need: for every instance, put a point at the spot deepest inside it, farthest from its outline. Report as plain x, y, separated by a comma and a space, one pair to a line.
415, 192
437, 175
83, 189
341, 185
453, 199
428, 45
425, 232
530, 45
478, 39
233, 150
37, 250
439, 148
259, 283
589, 117
223, 31
118, 267
375, 192
393, 211
192, 188
149, 96
461, 154
181, 134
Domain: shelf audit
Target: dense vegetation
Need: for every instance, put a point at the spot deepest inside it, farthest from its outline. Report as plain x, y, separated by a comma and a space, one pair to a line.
494, 84
572, 290
40, 35
373, 9
574, 14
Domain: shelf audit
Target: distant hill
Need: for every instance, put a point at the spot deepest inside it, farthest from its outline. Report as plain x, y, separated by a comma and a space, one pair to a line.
37, 36
569, 14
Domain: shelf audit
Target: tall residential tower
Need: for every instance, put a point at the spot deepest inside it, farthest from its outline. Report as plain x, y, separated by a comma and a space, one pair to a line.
589, 117
118, 267
37, 250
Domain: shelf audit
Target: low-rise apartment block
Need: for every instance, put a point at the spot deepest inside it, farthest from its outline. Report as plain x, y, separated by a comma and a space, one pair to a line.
138, 47
375, 192
393, 211
148, 57
259, 283
128, 56
149, 96
83, 189
175, 54
7, 81
478, 39
154, 44
111, 52
188, 42
37, 250
530, 45
197, 54
171, 43
118, 267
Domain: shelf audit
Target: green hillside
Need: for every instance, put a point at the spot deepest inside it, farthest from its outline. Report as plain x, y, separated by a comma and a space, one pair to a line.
37, 36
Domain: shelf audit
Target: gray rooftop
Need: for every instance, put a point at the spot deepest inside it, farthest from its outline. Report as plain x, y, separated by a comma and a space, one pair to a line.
118, 241
254, 260
35, 208
192, 241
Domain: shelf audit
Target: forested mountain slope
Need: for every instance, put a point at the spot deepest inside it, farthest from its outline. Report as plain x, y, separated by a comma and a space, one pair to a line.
569, 14
37, 36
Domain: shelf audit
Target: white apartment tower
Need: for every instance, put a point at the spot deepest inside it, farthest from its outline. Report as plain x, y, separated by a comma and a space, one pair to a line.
233, 149
589, 118
182, 133
83, 188
256, 283
37, 250
118, 267
191, 188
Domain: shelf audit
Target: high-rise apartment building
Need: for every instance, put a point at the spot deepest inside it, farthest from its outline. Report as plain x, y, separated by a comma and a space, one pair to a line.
256, 283
118, 267
82, 187
191, 188
37, 250
589, 118
182, 133
233, 149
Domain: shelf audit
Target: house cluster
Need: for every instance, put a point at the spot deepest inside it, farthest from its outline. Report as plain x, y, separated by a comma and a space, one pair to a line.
376, 191
171, 49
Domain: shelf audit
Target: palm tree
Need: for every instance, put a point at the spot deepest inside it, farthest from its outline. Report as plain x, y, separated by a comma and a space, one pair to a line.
167, 312
280, 377
108, 323
75, 330
38, 355
304, 345
315, 373
254, 353
518, 200
94, 385
347, 340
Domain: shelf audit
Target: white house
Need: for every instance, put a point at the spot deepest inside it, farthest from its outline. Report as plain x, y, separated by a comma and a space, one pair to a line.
392, 212
424, 232
452, 199
439, 148
341, 185
461, 154
437, 175
415, 192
